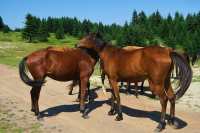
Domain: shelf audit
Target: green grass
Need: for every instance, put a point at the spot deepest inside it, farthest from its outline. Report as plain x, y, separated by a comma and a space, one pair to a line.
13, 47
6, 127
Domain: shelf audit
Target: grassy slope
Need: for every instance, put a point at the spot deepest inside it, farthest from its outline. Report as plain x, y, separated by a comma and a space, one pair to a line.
13, 48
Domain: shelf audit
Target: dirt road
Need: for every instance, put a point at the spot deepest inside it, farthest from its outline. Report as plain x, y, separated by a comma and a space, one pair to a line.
61, 113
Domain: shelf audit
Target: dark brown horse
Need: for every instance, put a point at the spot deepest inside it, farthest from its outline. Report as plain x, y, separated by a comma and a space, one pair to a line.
62, 64
152, 63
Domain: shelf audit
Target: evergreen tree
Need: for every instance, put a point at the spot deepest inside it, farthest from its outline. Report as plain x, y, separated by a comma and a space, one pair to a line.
1, 23
60, 34
6, 29
31, 29
134, 18
43, 31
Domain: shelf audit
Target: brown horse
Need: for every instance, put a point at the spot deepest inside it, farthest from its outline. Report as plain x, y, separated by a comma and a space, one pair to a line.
62, 64
130, 48
128, 90
152, 63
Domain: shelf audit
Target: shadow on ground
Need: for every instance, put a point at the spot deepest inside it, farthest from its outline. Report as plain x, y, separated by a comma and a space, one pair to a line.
153, 115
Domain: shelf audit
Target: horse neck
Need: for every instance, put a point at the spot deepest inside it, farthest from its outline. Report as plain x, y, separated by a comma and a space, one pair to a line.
107, 51
92, 53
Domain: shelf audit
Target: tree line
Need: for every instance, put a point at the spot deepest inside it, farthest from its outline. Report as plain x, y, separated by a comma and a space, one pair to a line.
3, 27
175, 31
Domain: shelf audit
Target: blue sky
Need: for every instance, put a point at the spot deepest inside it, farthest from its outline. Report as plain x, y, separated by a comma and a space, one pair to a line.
107, 11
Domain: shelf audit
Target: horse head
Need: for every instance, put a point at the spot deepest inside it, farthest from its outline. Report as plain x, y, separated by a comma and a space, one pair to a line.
92, 41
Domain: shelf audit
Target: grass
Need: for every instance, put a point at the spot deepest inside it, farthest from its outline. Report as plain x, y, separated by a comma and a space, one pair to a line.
10, 126
6, 127
13, 48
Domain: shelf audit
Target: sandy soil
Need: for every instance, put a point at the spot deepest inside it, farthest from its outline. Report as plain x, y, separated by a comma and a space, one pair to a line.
61, 113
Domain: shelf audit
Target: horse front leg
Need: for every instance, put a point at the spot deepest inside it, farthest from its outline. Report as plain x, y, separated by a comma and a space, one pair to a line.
113, 107
161, 125
116, 93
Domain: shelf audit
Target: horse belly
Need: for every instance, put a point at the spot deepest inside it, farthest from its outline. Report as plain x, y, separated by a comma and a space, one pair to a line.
63, 71
63, 76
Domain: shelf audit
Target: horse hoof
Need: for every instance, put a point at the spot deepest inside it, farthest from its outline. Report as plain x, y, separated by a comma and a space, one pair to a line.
85, 116
111, 112
157, 130
77, 100
32, 110
40, 118
174, 124
160, 127
118, 118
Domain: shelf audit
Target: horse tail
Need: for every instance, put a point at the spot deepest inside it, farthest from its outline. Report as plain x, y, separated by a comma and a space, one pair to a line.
24, 77
185, 73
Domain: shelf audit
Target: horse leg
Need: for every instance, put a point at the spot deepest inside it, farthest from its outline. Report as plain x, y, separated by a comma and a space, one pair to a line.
116, 93
163, 102
142, 87
112, 109
171, 120
32, 92
35, 94
128, 90
89, 92
121, 84
71, 87
157, 89
136, 89
83, 86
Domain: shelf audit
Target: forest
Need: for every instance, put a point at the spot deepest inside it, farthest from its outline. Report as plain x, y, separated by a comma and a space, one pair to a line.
175, 31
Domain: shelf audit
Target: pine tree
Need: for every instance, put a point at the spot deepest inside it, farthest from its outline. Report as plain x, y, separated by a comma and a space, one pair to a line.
6, 29
1, 23
134, 18
60, 34
31, 29
43, 31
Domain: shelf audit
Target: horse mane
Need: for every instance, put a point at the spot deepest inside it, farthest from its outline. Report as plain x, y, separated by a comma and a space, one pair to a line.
60, 49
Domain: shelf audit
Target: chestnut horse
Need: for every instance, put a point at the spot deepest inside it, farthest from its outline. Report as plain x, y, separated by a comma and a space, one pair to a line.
62, 64
153, 63
128, 90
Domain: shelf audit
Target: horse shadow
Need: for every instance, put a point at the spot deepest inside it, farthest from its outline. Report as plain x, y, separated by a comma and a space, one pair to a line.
133, 92
53, 111
153, 115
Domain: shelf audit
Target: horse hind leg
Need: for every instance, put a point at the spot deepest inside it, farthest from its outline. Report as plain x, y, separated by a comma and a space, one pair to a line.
74, 83
35, 94
171, 121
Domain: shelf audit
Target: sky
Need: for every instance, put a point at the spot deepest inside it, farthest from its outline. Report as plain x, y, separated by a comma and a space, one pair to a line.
13, 12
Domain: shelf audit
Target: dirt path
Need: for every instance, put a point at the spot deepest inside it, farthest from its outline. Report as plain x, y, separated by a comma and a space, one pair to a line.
62, 114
